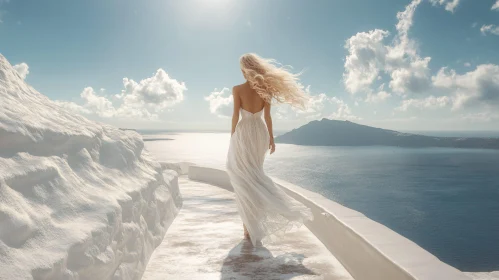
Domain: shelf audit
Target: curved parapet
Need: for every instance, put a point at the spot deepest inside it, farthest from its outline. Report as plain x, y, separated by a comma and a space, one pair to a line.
182, 168
367, 249
212, 176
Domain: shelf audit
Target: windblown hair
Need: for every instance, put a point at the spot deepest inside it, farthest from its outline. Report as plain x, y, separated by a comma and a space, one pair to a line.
273, 81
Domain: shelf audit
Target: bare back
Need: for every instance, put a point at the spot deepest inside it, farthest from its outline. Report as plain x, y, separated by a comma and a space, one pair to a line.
250, 100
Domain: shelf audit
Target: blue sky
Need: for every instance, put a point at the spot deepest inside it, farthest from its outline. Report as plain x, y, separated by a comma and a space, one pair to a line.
170, 64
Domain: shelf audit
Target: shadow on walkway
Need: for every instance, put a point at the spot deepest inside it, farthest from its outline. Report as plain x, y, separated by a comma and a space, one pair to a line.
247, 262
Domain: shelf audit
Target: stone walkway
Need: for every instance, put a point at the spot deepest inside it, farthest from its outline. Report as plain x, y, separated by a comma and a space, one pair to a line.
205, 242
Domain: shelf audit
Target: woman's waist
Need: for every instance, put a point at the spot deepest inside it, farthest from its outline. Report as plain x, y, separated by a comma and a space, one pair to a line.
252, 125
251, 121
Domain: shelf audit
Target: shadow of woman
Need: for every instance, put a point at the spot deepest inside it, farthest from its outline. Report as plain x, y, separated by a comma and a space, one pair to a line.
245, 261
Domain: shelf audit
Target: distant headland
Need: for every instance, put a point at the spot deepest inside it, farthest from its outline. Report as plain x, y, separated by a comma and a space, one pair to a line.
328, 132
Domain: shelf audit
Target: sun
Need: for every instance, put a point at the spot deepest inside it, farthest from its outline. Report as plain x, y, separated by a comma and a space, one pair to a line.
208, 12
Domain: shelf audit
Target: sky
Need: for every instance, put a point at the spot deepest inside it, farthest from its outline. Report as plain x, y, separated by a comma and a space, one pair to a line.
415, 65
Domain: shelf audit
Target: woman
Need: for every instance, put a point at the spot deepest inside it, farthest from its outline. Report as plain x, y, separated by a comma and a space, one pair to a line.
265, 209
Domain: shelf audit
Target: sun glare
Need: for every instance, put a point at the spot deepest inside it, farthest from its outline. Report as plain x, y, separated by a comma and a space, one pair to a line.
207, 12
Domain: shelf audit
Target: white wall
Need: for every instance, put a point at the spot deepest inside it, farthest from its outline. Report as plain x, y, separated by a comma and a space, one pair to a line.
367, 249
182, 168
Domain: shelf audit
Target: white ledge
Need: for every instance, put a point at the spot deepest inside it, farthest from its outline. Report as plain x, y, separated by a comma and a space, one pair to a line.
367, 249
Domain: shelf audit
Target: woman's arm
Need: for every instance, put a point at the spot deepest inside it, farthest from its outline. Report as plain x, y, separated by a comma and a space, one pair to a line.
268, 121
237, 106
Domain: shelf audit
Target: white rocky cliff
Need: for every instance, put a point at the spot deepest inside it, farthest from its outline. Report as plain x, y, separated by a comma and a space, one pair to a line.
78, 199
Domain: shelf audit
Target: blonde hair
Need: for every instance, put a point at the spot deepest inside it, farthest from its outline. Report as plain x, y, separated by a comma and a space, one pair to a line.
273, 81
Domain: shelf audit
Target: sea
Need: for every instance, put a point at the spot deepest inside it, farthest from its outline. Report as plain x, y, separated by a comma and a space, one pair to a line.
446, 200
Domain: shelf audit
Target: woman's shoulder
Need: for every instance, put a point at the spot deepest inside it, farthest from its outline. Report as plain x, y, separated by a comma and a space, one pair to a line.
238, 88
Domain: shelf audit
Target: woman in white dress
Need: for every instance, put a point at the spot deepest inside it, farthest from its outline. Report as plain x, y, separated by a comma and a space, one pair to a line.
265, 209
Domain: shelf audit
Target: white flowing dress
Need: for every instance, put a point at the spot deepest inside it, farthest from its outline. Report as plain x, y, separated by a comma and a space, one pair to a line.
265, 209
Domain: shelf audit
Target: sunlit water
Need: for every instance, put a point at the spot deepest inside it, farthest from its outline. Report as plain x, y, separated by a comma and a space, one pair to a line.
445, 200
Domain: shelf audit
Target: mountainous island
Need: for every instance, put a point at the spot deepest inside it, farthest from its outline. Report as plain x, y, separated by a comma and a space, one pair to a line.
328, 132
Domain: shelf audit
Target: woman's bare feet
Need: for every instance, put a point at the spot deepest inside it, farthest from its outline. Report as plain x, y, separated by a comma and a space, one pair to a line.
246, 233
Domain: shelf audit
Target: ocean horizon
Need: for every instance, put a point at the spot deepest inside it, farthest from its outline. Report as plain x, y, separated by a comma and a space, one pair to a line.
435, 133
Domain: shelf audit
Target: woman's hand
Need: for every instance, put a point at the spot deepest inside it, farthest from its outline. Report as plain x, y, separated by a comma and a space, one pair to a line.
272, 146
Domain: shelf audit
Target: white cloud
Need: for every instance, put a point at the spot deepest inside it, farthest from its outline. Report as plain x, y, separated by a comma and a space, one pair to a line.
92, 104
430, 102
157, 92
406, 19
100, 105
221, 102
450, 5
377, 97
22, 69
342, 111
315, 106
286, 112
133, 112
480, 86
369, 56
495, 6
414, 78
142, 100
480, 117
492, 29
366, 58
380, 96
467, 64
408, 71
73, 107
